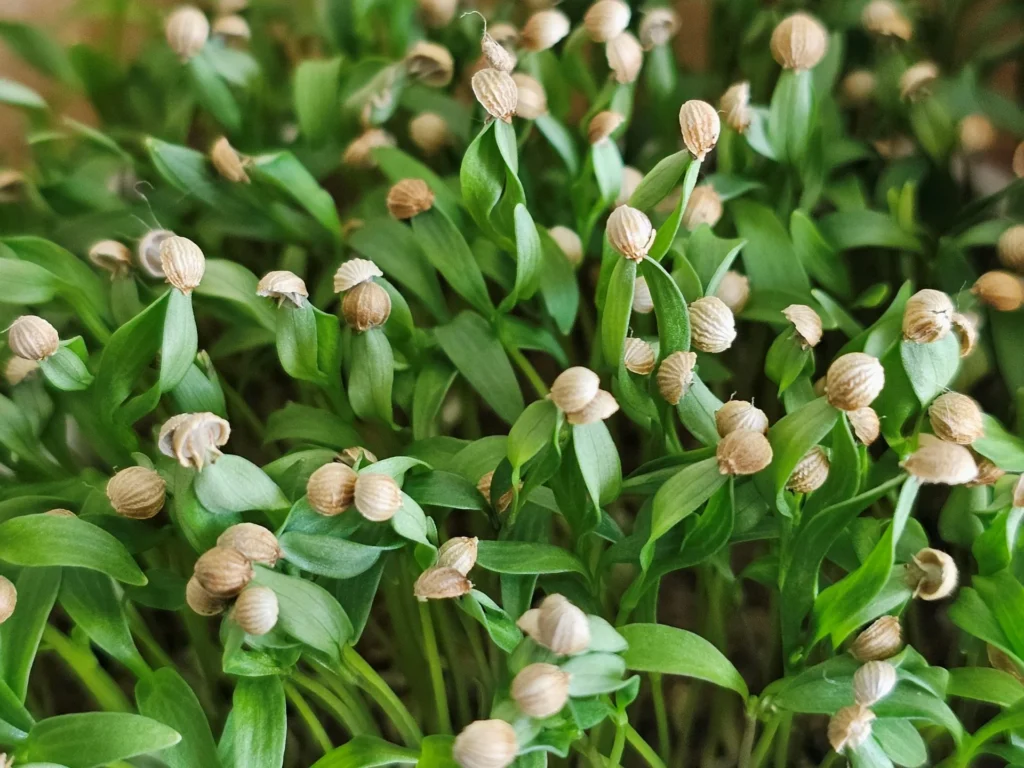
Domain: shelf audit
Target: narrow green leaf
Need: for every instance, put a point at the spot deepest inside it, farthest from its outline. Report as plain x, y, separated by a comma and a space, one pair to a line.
371, 374
93, 739
259, 722
367, 752
234, 484
164, 696
519, 557
21, 633
618, 307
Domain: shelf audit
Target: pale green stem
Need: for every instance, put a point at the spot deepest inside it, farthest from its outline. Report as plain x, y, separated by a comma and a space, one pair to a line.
643, 748
434, 664
381, 692
95, 679
308, 717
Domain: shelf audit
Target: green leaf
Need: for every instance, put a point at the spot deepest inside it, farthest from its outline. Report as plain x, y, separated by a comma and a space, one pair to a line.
213, 93
1004, 449
367, 752
259, 722
618, 307
982, 684
818, 257
519, 557
608, 169
558, 286
235, 285
432, 385
669, 308
697, 412
311, 425
93, 739
528, 255
666, 234
180, 340
397, 165
670, 651
21, 633
561, 141
22, 282
443, 489
447, 250
39, 50
234, 484
164, 696
660, 180
711, 256
128, 353
770, 260
931, 367
591, 674
65, 370
315, 93
284, 171
598, 460
846, 230
534, 429
296, 341
94, 603
40, 540
325, 555
18, 95
791, 119
482, 176
681, 495
371, 373
900, 740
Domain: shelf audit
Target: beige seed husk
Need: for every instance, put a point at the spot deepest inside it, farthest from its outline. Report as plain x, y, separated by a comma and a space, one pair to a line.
233, 28
865, 423
743, 452
223, 571
540, 690
486, 744
408, 198
148, 252
283, 286
966, 331
331, 489
1018, 161
574, 388
8, 598
703, 207
165, 441
700, 126
353, 272
799, 42
532, 101
256, 610
977, 134
459, 553
956, 418
366, 306
438, 13
658, 27
740, 415
112, 256
228, 162
734, 290
257, 543
932, 574
1000, 290
17, 369
497, 93
810, 473
881, 17
606, 20
928, 316
895, 147
187, 30
441, 583
359, 153
194, 439
201, 601
629, 232
32, 338
806, 322
631, 178
675, 374
137, 493
430, 63
873, 682
356, 453
483, 485
569, 242
497, 56
600, 408
936, 461
989, 473
735, 105
603, 125
712, 325
850, 727
625, 57
882, 640
1010, 248
858, 87
643, 302
916, 82
562, 627
854, 380
231, 6
182, 262
544, 29
60, 512
377, 496
638, 356
505, 34
429, 131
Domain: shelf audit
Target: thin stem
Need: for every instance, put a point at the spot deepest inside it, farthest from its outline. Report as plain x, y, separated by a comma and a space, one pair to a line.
636, 741
309, 718
444, 721
782, 745
381, 692
344, 688
145, 637
765, 742
528, 370
661, 717
747, 745
618, 745
349, 718
95, 679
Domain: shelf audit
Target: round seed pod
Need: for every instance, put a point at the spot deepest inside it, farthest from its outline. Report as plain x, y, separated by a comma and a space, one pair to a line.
575, 388
437, 13
201, 601
936, 461
658, 27
806, 322
675, 374
643, 302
743, 452
506, 35
112, 256
148, 252
606, 20
540, 690
486, 744
187, 31
1018, 161
734, 291
497, 93
570, 244
8, 598
740, 415
988, 472
194, 439
850, 727
865, 423
232, 28
60, 512
854, 380
496, 55
932, 574
183, 263
354, 272
956, 418
408, 198
881, 17
799, 42
882, 640
631, 178
977, 134
600, 408
256, 610
603, 125
544, 29
700, 126
858, 87
712, 325
377, 497
430, 63
137, 493
32, 338
228, 162
735, 105
532, 100
441, 583
429, 131
638, 356
703, 207
257, 543
966, 331
625, 56
1000, 290
873, 682
359, 153
366, 306
529, 623
928, 316
1010, 248
916, 82
459, 553
810, 473
630, 232
223, 571
563, 627
331, 489
17, 369
283, 286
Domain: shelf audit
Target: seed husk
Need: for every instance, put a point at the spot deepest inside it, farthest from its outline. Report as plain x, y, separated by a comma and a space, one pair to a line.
858, 87
182, 262
540, 690
8, 598
430, 132
1002, 291
497, 93
112, 256
497, 56
917, 81
658, 27
740, 415
562, 627
854, 380
743, 452
1010, 248
625, 57
675, 374
799, 42
850, 727
437, 13
430, 63
630, 232
603, 125
32, 338
569, 242
977, 134
353, 272
631, 178
806, 322
148, 252
359, 153
486, 744
544, 29
932, 574
703, 207
1018, 161
408, 198
187, 30
256, 610
734, 290
882, 640
255, 542
712, 325
228, 162
865, 423
936, 461
928, 316
194, 439
441, 583
232, 29
575, 388
17, 369
600, 408
643, 302
366, 306
223, 571
883, 18
531, 99
873, 682
956, 418
989, 473
810, 473
735, 105
283, 286
377, 497
606, 20
638, 356
331, 489
966, 330
459, 553
201, 601
700, 126
137, 493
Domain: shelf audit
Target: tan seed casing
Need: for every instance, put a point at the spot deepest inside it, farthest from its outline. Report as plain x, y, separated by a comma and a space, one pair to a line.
17, 369
194, 439
988, 472
606, 20
137, 493
703, 207
712, 325
873, 682
810, 473
882, 640
700, 126
858, 87
956, 418
331, 489
437, 13
570, 244
1018, 492
255, 542
182, 262
201, 601
60, 512
283, 286
625, 57
532, 100
377, 497
675, 374
112, 256
734, 290
735, 105
630, 232
643, 302
799, 42
658, 27
916, 82
854, 380
977, 134
459, 553
486, 744
575, 388
223, 571
638, 356
544, 29
540, 690
187, 30
740, 415
936, 461
932, 574
497, 93
563, 628
1010, 247
359, 153
408, 198
353, 272
366, 306
430, 63
966, 331
1002, 291
600, 408
441, 583
32, 338
496, 55
8, 598
256, 610
743, 452
232, 28
603, 125
806, 322
1018, 161
505, 34
850, 727
928, 316
228, 162
881, 17
429, 131
148, 252
865, 423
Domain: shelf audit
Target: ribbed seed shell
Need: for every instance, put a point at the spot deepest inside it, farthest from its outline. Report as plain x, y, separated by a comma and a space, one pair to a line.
881, 17
32, 338
600, 408
854, 380
1002, 291
429, 131
408, 198
927, 317
114, 257
917, 80
574, 388
643, 302
932, 574
60, 512
283, 286
638, 356
256, 610
377, 497
1011, 248
148, 252
497, 56
882, 640
873, 682
675, 374
257, 543
936, 461
540, 690
743, 452
850, 727
603, 125
201, 601
740, 415
183, 263
486, 744
430, 63
988, 472
606, 20
734, 290
806, 322
810, 473
966, 331
703, 207
799, 42
658, 27
223, 571
735, 105
366, 306
8, 599
977, 134
712, 325
531, 99
359, 153
228, 162
865, 423
625, 57
437, 13
353, 272
459, 553
544, 29
17, 369
570, 244
497, 93
137, 493
563, 627
956, 418
331, 489
441, 583
630, 232
194, 439
187, 30
356, 453
700, 126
